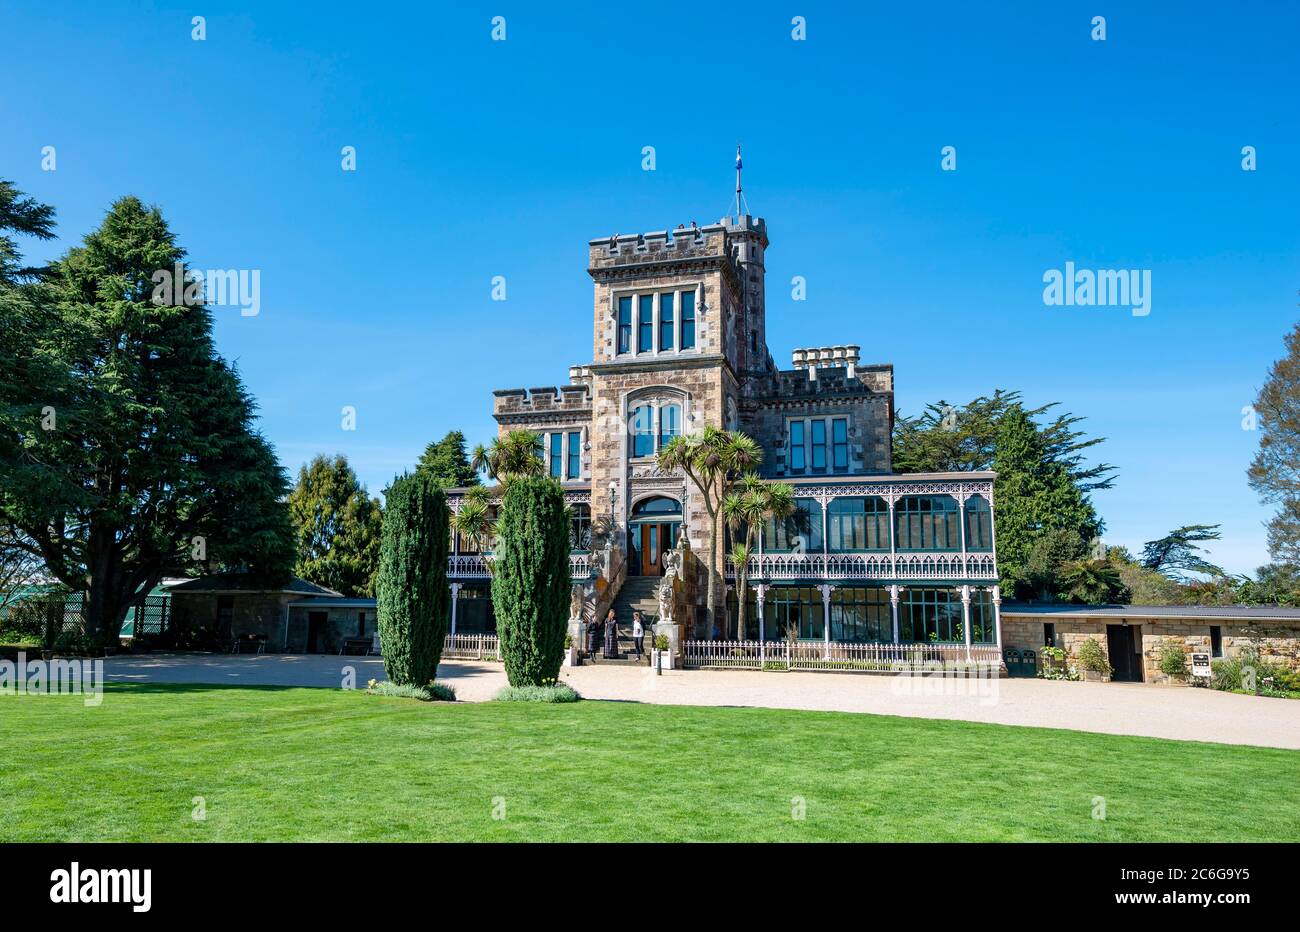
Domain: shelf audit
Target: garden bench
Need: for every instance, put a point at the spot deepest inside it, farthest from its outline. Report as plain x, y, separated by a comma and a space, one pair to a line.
361, 645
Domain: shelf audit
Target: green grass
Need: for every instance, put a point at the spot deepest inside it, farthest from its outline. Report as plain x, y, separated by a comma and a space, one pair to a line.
309, 764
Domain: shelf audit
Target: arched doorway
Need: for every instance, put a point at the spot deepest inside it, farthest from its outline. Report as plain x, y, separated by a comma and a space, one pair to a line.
652, 531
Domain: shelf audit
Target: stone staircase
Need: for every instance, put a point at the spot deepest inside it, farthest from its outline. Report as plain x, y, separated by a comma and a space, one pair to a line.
637, 594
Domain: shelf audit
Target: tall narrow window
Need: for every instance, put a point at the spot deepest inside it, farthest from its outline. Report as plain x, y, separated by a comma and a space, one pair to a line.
670, 423
643, 431
840, 442
818, 445
798, 463
688, 320
557, 454
625, 325
646, 324
666, 320
574, 470
979, 524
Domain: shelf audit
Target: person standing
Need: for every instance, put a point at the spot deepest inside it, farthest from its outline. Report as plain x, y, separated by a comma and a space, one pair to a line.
638, 634
593, 637
611, 636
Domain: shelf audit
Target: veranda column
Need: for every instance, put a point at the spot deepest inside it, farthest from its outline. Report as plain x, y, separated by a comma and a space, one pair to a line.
996, 592
455, 595
893, 557
965, 618
826, 591
961, 523
760, 592
894, 590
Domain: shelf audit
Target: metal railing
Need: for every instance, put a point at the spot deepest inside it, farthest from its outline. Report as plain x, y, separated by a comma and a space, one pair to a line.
876, 566
834, 655
478, 566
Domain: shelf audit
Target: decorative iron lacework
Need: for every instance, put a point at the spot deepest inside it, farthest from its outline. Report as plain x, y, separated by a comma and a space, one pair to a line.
570, 498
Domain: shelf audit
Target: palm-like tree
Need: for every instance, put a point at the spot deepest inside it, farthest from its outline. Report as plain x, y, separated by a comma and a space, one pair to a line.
474, 519
1091, 582
710, 459
751, 503
513, 456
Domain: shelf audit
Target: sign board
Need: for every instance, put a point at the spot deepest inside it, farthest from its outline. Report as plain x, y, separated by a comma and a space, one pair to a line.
1200, 664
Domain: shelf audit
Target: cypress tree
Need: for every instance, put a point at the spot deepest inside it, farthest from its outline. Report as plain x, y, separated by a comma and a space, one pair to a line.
411, 585
530, 580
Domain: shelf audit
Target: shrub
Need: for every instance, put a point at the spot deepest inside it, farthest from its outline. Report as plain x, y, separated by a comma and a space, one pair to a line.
434, 692
553, 692
1092, 657
1173, 659
1248, 672
411, 585
661, 642
530, 580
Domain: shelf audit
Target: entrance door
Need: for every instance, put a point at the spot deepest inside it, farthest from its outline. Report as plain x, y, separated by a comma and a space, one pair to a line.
315, 628
1123, 656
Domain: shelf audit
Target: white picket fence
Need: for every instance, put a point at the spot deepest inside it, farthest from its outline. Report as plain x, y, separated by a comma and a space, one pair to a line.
834, 655
471, 647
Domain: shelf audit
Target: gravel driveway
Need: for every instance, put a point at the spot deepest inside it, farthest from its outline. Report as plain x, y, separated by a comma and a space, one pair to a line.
1111, 708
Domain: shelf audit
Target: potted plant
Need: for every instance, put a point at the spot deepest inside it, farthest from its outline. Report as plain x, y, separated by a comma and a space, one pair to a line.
1096, 668
660, 655
570, 651
1173, 660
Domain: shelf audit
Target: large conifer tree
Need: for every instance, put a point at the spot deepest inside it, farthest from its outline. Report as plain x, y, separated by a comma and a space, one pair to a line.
413, 596
338, 527
530, 580
127, 446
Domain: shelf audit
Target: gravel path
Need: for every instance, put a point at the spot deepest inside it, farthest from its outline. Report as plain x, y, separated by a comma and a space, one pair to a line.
1110, 708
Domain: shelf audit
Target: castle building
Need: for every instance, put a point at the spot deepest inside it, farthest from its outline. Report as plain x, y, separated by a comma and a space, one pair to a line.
679, 342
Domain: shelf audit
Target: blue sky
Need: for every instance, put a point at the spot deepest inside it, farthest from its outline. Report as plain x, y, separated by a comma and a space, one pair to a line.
478, 158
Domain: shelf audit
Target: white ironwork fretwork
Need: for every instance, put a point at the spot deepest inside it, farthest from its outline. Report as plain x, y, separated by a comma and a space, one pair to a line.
818, 566
477, 566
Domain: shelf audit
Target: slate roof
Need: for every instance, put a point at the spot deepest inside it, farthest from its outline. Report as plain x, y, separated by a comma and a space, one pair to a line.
238, 582
1235, 612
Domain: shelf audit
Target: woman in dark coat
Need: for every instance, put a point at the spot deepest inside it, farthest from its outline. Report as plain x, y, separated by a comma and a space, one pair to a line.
593, 637
611, 636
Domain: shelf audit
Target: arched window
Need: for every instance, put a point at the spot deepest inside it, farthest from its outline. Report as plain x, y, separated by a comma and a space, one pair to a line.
857, 524
659, 506
580, 527
799, 533
670, 423
979, 523
642, 425
926, 522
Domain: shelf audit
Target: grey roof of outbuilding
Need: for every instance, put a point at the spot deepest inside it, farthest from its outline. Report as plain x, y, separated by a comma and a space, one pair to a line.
1237, 612
238, 582
330, 601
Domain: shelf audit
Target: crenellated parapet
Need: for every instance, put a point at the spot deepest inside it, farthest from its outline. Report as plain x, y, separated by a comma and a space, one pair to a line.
618, 255
575, 399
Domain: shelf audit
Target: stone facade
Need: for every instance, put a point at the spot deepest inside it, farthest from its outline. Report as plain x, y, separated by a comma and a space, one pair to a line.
1277, 639
678, 344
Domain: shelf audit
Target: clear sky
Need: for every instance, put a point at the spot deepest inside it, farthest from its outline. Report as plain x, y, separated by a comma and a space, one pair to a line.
478, 158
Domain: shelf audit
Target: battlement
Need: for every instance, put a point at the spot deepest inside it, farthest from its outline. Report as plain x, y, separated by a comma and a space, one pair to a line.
755, 226
661, 246
548, 398
829, 375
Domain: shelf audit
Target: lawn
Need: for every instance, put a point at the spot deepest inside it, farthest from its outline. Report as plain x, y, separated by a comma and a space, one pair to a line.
311, 764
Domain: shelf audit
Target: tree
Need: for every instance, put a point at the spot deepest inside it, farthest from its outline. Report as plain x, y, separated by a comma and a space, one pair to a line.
1049, 553
127, 445
1036, 492
19, 567
413, 598
746, 508
530, 580
445, 460
1176, 554
339, 527
23, 215
474, 521
1275, 471
514, 456
1044, 478
1090, 582
710, 459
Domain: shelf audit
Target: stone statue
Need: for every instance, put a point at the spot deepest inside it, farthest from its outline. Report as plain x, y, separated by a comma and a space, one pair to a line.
576, 602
